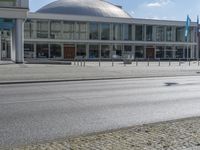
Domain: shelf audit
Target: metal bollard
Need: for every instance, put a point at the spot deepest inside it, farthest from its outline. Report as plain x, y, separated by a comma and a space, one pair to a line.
189, 62
112, 63
99, 63
81, 62
136, 62
84, 62
74, 61
148, 62
198, 63
169, 62
159, 62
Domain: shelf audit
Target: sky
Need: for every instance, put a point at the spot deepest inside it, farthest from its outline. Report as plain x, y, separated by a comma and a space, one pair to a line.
148, 9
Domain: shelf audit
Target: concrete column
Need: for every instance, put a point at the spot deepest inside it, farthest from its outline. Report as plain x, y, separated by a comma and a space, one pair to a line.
17, 42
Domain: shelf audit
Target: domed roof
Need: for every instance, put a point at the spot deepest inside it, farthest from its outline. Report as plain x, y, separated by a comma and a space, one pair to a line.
99, 8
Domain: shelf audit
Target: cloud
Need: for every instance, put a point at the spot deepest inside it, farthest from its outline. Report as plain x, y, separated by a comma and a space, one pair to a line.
158, 3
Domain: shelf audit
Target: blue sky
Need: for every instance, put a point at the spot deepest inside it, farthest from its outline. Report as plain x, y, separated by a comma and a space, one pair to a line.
154, 9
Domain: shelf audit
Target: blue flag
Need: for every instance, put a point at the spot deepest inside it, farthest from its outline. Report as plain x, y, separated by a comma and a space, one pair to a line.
187, 26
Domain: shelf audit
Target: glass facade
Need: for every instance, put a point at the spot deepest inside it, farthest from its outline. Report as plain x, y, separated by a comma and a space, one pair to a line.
149, 33
28, 50
42, 51
94, 51
117, 32
179, 52
160, 52
127, 49
80, 31
117, 50
169, 52
94, 31
42, 29
105, 51
169, 34
127, 32
81, 50
180, 34
105, 31
160, 33
139, 52
55, 29
68, 30
139, 32
55, 51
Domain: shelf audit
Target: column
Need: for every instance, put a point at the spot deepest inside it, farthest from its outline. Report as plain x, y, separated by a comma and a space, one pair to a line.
0, 46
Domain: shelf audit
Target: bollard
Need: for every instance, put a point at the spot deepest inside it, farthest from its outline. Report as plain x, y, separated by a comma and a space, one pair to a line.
112, 63
81, 62
84, 62
189, 62
198, 63
148, 62
99, 63
179, 62
136, 62
159, 62
74, 61
169, 62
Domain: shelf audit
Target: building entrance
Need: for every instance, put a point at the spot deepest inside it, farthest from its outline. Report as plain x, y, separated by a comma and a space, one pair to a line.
5, 48
69, 52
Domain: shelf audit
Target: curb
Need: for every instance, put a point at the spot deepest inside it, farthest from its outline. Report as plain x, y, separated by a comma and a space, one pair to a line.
90, 79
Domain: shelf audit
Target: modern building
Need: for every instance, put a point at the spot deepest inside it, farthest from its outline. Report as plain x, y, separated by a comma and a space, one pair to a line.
92, 29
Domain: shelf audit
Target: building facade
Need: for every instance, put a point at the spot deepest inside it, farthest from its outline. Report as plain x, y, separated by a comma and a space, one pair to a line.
95, 29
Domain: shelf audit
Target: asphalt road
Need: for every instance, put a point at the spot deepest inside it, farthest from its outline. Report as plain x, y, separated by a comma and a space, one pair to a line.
31, 113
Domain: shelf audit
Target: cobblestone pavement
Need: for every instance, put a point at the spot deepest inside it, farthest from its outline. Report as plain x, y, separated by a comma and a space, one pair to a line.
174, 135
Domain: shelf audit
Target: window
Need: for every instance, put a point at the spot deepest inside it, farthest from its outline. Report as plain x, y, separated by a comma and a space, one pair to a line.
94, 31
127, 32
29, 29
139, 51
180, 34
55, 50
81, 31
94, 51
117, 50
160, 52
117, 32
139, 31
160, 33
169, 34
179, 52
42, 29
28, 51
105, 31
55, 29
81, 50
68, 30
105, 51
149, 33
169, 52
127, 49
42, 51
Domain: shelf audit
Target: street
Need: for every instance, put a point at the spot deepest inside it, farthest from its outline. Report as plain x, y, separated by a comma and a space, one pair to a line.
31, 113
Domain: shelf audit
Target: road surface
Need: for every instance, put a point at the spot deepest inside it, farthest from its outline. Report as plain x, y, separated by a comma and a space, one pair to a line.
31, 113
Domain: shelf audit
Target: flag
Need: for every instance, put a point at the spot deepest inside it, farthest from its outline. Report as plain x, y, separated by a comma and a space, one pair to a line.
197, 25
187, 26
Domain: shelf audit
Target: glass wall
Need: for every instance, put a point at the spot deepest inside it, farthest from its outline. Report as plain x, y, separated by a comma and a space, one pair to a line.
28, 29
180, 34
127, 32
94, 51
94, 31
55, 51
105, 51
160, 33
68, 30
55, 29
169, 52
81, 50
139, 51
105, 31
179, 52
42, 51
117, 32
160, 53
117, 50
127, 49
149, 33
139, 32
81, 31
42, 29
169, 34
28, 50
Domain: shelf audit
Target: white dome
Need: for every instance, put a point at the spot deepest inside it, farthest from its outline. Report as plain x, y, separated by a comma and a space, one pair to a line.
97, 8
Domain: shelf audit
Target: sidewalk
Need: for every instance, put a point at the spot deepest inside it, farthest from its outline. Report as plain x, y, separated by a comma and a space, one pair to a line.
16, 73
173, 135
